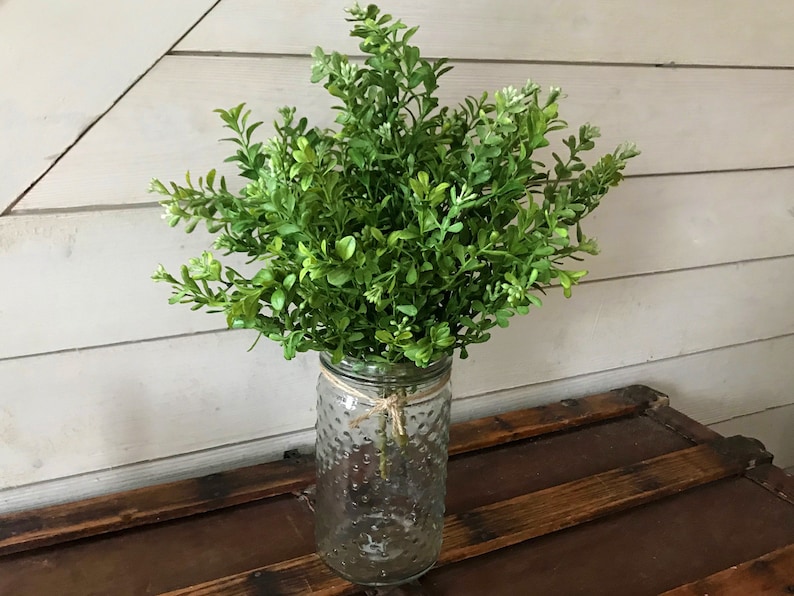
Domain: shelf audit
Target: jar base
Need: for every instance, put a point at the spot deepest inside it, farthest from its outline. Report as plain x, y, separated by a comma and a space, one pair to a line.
377, 583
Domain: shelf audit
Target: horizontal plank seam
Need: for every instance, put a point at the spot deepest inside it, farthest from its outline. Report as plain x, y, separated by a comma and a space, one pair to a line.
702, 172
630, 366
581, 283
769, 409
155, 204
197, 452
117, 344
598, 63
100, 116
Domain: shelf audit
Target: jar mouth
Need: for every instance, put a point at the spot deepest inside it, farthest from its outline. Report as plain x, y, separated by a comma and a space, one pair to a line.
377, 373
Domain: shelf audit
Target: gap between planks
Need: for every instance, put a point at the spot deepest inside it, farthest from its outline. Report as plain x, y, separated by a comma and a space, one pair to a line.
61, 523
596, 63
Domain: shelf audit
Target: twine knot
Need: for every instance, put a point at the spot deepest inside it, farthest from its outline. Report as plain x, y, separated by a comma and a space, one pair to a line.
392, 404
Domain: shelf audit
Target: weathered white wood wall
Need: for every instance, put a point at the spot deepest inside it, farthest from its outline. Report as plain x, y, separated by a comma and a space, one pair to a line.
104, 386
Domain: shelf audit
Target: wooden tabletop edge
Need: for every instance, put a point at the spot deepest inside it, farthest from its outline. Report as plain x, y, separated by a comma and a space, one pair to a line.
773, 570
775, 480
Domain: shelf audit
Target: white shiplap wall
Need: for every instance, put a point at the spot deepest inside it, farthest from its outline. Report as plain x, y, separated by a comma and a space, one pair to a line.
104, 386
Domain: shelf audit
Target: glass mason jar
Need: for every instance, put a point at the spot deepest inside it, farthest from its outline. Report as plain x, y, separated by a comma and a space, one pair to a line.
382, 436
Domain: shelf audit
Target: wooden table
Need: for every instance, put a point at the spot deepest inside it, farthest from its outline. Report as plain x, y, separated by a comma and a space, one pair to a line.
612, 494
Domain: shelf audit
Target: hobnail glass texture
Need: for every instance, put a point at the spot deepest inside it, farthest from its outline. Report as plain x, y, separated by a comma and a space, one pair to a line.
379, 508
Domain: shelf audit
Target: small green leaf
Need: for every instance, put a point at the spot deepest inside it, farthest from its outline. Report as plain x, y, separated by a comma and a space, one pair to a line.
384, 336
277, 300
263, 277
287, 229
407, 309
534, 300
346, 247
339, 276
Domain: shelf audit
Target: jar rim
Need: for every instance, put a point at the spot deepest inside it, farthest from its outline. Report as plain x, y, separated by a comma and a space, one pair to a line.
377, 373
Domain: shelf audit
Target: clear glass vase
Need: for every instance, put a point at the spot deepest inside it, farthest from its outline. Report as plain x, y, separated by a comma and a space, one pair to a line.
382, 436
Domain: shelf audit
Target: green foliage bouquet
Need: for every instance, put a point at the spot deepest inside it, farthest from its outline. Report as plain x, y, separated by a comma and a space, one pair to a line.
409, 231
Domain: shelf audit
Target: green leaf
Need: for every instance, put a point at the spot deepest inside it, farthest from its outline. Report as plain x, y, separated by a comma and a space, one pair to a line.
534, 300
384, 336
287, 229
460, 252
407, 309
277, 300
346, 247
339, 276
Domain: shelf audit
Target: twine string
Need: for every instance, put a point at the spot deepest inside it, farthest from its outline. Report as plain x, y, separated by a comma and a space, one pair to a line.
392, 404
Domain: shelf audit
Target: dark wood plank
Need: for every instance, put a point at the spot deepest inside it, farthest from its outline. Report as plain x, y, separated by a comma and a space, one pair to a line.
303, 575
60, 523
506, 523
412, 589
555, 417
162, 557
151, 559
769, 575
682, 424
112, 513
774, 480
501, 473
639, 552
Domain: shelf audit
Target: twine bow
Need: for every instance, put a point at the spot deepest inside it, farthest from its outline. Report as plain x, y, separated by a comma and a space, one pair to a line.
392, 404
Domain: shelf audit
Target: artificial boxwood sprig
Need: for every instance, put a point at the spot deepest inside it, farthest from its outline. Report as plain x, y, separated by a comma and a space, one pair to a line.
406, 232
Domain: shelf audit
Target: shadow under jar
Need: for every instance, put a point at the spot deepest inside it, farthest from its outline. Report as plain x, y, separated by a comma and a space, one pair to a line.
382, 437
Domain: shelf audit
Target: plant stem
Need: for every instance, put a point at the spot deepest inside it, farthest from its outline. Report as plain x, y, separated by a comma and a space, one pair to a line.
383, 460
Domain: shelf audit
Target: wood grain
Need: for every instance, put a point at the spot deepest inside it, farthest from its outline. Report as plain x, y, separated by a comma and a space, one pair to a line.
491, 527
155, 504
112, 513
168, 125
63, 64
673, 31
639, 552
769, 575
528, 516
555, 417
